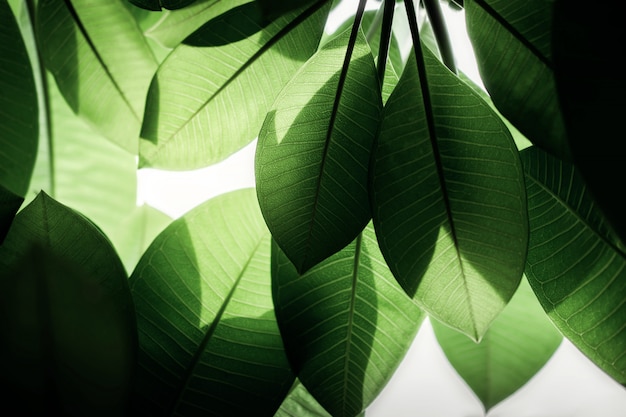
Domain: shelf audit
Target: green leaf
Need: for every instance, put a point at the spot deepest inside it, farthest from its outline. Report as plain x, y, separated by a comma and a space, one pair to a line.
512, 43
313, 153
68, 336
89, 173
300, 403
516, 346
346, 324
590, 93
209, 97
271, 9
574, 266
208, 338
448, 198
101, 63
157, 5
19, 111
9, 205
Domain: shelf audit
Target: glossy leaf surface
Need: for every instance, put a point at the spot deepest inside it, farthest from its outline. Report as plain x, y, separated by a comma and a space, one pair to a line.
448, 198
208, 338
237, 63
101, 63
516, 346
313, 153
574, 264
68, 328
19, 112
512, 43
346, 324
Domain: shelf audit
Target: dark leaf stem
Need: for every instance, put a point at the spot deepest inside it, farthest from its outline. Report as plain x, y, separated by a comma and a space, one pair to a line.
385, 38
438, 23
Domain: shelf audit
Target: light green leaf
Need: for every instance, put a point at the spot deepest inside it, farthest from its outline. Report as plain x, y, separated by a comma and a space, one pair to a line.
89, 173
511, 40
300, 403
68, 339
448, 198
19, 111
313, 153
516, 346
574, 264
209, 97
346, 324
176, 25
208, 338
101, 63
9, 204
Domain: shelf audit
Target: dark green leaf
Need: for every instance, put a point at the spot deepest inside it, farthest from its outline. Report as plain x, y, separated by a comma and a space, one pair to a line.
511, 40
574, 265
313, 153
81, 42
206, 102
19, 111
271, 9
591, 94
516, 346
9, 204
448, 198
346, 324
208, 338
68, 335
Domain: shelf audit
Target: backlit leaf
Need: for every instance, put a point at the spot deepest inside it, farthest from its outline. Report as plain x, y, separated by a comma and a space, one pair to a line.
208, 338
346, 324
574, 264
448, 198
313, 153
209, 97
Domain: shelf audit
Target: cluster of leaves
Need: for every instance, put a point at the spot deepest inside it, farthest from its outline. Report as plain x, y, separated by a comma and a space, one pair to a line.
389, 188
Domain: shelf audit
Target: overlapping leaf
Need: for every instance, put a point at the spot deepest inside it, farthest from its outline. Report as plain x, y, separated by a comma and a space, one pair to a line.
346, 324
448, 198
101, 63
209, 342
516, 346
209, 97
511, 40
9, 204
313, 153
19, 112
574, 264
68, 336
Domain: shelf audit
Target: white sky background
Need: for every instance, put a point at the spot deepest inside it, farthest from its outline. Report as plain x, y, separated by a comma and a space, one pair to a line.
425, 384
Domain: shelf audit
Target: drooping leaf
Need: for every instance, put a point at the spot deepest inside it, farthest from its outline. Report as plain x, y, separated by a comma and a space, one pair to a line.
9, 204
68, 335
101, 63
511, 40
313, 153
157, 5
19, 111
210, 95
346, 324
448, 198
517, 345
208, 338
591, 93
574, 265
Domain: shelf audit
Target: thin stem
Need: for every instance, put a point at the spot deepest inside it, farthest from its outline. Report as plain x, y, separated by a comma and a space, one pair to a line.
32, 16
385, 38
435, 16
